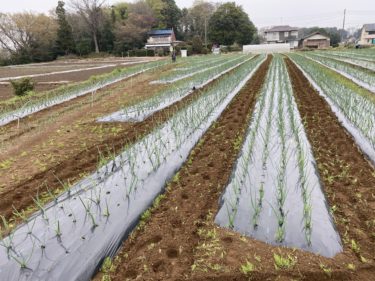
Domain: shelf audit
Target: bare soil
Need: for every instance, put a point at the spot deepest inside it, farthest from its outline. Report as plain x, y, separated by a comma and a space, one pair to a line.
64, 65
181, 242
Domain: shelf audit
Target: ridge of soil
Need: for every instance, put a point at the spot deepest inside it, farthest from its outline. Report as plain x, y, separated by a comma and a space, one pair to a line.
164, 248
84, 160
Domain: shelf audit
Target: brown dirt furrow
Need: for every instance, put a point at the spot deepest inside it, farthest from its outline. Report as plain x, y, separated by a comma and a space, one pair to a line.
164, 249
85, 160
348, 178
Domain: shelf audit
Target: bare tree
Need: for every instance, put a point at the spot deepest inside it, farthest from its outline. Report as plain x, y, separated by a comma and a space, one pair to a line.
91, 12
26, 33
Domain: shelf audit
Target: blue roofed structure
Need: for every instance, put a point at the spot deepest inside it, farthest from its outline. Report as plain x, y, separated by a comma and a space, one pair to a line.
161, 32
164, 39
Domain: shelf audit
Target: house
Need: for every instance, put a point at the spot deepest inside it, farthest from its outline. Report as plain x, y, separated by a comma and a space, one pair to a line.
282, 34
161, 39
367, 34
315, 40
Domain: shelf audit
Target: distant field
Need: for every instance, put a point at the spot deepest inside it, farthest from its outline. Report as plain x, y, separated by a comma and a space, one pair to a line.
54, 74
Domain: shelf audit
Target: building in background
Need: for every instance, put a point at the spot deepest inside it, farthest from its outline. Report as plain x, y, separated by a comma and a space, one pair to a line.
315, 40
367, 34
282, 34
161, 39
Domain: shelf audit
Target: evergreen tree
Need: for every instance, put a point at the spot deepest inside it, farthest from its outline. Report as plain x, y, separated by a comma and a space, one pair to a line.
64, 42
230, 24
166, 12
171, 15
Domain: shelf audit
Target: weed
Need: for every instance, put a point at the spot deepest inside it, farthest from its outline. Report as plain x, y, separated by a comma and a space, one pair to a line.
107, 268
5, 164
327, 270
257, 258
237, 142
176, 178
351, 266
284, 262
157, 201
247, 268
355, 247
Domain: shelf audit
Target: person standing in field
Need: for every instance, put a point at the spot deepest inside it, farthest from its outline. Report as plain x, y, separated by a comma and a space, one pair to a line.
173, 56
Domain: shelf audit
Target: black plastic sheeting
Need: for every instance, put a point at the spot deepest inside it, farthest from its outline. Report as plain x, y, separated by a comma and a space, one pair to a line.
264, 198
69, 238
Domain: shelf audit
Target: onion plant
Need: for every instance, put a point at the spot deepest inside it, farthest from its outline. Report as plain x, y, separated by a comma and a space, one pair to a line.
177, 91
133, 176
275, 145
355, 103
364, 77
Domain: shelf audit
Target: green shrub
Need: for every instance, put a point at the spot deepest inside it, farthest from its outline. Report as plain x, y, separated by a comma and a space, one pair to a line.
160, 52
141, 53
22, 87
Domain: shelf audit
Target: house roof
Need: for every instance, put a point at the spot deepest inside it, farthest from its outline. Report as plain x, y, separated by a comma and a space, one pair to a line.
281, 28
369, 27
161, 32
315, 33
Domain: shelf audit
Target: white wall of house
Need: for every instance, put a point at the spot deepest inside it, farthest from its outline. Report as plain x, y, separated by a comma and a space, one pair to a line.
272, 36
267, 48
366, 38
293, 44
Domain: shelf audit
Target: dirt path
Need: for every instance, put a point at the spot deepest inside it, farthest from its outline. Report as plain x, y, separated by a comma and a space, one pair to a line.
165, 248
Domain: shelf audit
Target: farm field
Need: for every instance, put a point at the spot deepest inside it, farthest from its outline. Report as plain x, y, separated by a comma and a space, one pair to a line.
61, 72
230, 167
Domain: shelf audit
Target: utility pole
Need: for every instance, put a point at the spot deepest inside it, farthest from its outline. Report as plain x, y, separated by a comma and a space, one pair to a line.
343, 26
205, 32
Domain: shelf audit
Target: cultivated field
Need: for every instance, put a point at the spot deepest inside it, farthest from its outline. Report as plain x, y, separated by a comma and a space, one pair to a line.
230, 167
54, 74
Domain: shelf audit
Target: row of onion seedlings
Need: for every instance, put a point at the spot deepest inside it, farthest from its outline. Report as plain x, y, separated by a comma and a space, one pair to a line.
177, 91
91, 217
362, 76
350, 58
191, 71
274, 183
356, 105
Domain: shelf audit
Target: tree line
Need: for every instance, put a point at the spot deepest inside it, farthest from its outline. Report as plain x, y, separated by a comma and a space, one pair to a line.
81, 27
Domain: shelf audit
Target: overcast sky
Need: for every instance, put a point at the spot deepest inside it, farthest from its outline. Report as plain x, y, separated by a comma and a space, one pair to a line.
298, 13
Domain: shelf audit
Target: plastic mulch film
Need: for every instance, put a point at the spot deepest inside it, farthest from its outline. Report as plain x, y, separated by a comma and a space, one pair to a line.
69, 238
274, 194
